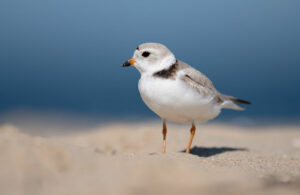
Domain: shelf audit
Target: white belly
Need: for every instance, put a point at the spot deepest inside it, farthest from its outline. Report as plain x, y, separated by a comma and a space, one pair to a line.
173, 100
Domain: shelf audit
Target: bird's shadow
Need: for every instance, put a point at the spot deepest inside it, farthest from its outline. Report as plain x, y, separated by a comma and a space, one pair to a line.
211, 151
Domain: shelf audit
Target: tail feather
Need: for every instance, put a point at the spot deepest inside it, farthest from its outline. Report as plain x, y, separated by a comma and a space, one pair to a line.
231, 102
239, 101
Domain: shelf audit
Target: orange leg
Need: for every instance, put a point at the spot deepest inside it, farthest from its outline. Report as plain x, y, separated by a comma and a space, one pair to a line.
193, 130
164, 131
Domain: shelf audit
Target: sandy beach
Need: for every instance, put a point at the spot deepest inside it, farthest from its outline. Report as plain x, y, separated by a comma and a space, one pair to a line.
126, 158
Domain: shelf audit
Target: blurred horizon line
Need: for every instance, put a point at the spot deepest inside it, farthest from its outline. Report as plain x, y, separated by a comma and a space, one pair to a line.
26, 117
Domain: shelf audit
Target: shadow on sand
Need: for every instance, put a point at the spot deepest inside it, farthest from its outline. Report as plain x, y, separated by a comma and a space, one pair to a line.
211, 151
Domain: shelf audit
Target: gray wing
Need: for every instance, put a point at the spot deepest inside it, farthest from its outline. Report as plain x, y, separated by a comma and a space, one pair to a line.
200, 83
196, 80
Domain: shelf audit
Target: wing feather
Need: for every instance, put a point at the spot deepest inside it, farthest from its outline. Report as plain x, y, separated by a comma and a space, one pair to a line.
200, 83
196, 80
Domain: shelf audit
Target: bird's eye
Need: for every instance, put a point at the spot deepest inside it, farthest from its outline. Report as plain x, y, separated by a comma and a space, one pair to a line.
145, 54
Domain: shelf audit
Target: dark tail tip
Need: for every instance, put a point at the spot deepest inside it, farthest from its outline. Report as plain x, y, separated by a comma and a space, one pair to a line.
241, 101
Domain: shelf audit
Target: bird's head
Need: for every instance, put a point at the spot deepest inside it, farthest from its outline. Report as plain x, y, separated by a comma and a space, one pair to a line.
151, 57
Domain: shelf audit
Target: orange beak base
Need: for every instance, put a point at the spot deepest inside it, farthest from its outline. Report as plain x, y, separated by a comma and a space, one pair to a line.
129, 63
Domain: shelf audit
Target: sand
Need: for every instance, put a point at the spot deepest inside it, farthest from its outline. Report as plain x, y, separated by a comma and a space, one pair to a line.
127, 159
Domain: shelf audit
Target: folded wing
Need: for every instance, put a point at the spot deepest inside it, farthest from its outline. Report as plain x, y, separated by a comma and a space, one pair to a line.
200, 83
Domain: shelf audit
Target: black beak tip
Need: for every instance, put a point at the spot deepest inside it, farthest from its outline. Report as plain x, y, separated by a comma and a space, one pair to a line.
126, 64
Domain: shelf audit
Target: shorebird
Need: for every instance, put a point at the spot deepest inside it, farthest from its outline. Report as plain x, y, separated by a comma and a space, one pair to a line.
176, 91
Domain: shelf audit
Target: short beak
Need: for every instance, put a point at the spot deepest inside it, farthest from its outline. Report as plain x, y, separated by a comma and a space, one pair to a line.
129, 63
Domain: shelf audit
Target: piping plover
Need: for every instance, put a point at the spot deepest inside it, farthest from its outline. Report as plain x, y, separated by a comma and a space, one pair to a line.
176, 91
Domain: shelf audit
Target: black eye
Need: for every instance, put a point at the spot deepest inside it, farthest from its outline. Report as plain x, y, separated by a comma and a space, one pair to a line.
145, 54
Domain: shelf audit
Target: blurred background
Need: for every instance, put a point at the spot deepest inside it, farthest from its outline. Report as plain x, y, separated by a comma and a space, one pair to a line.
66, 56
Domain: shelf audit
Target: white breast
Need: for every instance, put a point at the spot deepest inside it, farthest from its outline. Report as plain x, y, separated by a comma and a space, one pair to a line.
173, 100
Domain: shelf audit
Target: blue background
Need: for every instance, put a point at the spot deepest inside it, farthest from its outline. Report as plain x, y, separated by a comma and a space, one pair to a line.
66, 55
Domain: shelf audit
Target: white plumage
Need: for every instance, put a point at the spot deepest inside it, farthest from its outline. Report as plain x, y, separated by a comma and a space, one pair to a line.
174, 100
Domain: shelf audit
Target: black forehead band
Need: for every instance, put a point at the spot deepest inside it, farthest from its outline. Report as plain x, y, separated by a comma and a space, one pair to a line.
137, 48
